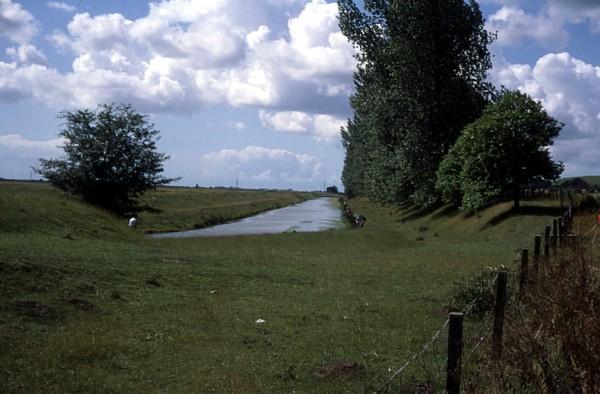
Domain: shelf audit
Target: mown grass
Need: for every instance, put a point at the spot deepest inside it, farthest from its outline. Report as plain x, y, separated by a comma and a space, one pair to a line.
179, 315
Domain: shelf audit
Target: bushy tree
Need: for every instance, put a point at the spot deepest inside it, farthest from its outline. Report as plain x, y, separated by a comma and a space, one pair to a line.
421, 78
505, 148
110, 156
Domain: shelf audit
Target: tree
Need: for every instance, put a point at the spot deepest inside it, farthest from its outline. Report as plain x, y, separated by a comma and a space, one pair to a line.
505, 148
420, 80
332, 189
111, 156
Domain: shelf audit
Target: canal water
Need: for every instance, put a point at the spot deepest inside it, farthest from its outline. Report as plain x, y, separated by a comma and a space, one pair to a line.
308, 216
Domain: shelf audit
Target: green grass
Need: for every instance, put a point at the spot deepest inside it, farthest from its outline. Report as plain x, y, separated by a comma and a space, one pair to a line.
592, 180
178, 315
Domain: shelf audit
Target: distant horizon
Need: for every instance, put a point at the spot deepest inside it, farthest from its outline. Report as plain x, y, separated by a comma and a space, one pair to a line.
41, 180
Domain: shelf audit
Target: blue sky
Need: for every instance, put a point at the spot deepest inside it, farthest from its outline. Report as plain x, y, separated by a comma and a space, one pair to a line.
257, 90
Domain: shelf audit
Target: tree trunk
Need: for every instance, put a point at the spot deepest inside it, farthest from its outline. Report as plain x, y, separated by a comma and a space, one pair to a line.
517, 195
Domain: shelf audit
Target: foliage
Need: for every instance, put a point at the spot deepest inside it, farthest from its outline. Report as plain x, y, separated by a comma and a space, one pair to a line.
332, 189
503, 149
589, 203
111, 156
420, 80
478, 289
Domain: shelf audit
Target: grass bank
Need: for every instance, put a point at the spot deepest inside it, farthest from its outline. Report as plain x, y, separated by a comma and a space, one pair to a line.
88, 306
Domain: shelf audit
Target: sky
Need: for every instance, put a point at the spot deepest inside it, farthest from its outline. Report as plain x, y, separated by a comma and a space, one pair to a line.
255, 92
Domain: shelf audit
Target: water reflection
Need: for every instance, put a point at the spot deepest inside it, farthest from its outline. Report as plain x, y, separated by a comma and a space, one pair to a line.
312, 215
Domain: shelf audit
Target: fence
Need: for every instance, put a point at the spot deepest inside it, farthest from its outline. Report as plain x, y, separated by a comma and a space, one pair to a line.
559, 234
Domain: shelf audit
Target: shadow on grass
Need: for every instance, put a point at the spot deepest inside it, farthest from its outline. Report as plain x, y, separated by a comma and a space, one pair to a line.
531, 210
416, 212
446, 211
147, 208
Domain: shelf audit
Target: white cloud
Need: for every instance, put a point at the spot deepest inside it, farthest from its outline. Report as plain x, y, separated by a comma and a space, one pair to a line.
26, 54
185, 55
59, 5
255, 165
321, 126
237, 125
501, 2
20, 154
514, 26
184, 10
569, 89
548, 27
290, 121
577, 11
258, 36
16, 23
17, 145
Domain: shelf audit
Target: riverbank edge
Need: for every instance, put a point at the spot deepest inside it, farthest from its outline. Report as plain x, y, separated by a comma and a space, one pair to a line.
233, 218
339, 225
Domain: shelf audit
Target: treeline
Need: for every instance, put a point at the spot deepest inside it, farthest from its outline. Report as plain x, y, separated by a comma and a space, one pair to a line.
420, 87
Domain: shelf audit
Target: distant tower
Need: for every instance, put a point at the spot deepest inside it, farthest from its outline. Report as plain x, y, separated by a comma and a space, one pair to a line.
237, 183
324, 186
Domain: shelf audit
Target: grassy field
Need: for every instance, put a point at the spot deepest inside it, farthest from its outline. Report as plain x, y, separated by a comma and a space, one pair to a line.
593, 180
86, 305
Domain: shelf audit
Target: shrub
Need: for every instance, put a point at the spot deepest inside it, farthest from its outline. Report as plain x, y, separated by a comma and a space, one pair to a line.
478, 289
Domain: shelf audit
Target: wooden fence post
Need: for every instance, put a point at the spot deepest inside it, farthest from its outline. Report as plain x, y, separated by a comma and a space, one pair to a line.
501, 280
524, 268
547, 242
536, 255
554, 236
562, 199
455, 347
561, 232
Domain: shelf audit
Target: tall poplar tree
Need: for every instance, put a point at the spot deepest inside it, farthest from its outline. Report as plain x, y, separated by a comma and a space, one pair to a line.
421, 78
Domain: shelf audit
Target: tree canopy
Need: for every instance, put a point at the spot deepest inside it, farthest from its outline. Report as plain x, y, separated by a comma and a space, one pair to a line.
505, 148
110, 156
421, 78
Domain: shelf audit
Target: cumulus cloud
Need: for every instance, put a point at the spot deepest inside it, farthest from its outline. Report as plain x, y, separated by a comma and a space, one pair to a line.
59, 5
514, 26
569, 89
16, 23
577, 11
321, 126
548, 27
258, 165
184, 55
26, 54
19, 154
17, 145
501, 2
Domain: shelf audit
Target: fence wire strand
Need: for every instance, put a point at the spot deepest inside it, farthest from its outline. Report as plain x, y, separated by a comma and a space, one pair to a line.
481, 335
424, 349
466, 312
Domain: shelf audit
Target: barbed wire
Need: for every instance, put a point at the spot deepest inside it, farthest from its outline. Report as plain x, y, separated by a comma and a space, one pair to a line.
424, 349
466, 312
483, 327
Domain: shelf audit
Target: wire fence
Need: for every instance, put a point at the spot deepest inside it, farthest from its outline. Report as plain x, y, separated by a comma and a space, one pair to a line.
562, 236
